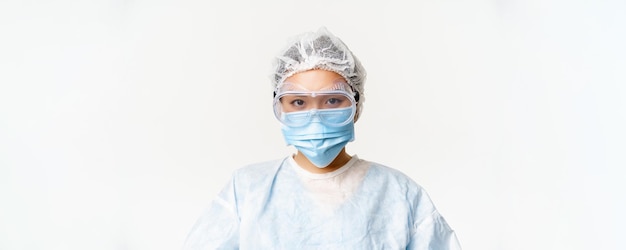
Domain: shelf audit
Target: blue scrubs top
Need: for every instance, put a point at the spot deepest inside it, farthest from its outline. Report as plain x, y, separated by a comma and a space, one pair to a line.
273, 205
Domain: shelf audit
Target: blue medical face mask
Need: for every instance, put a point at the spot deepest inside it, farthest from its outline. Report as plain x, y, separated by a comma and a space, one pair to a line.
320, 140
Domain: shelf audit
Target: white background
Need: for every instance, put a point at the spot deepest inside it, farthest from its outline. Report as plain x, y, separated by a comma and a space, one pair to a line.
120, 120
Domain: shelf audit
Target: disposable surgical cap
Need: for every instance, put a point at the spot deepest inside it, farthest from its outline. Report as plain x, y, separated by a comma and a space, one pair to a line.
320, 50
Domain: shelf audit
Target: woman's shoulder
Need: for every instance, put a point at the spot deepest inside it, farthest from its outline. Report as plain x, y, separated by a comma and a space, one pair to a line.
258, 171
382, 171
399, 185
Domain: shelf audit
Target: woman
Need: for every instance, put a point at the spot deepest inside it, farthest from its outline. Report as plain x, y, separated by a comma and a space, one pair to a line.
321, 197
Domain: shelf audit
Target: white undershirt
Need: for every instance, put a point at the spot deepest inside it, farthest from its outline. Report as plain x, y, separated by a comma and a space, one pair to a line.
330, 190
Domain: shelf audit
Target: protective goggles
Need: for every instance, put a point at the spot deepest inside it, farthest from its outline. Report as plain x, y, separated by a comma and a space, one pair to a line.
295, 106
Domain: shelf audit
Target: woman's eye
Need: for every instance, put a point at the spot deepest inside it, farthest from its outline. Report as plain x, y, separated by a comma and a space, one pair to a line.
297, 102
333, 101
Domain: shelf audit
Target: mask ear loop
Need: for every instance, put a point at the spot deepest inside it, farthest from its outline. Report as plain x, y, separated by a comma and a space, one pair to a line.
356, 99
356, 94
